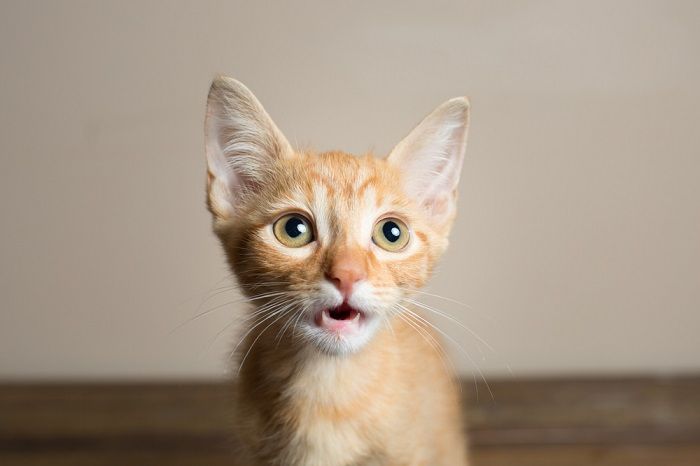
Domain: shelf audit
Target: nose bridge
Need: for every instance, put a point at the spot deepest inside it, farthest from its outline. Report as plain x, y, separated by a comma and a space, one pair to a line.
349, 260
346, 261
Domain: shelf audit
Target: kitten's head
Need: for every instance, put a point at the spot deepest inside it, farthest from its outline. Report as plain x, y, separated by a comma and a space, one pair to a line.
329, 243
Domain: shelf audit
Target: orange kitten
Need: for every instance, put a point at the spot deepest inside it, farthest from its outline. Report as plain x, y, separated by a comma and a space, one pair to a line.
334, 369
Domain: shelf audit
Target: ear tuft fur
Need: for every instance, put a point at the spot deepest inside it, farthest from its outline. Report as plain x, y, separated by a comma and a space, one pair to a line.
242, 143
431, 158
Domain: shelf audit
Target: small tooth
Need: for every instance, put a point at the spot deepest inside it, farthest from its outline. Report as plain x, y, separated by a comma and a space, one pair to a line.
357, 317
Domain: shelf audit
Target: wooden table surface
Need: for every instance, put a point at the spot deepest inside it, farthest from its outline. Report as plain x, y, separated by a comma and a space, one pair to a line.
573, 422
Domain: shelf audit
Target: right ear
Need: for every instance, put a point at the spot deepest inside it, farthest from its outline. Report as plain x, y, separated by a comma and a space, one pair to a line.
242, 144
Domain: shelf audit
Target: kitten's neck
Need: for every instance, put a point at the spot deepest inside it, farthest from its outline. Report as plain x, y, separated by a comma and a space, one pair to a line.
294, 369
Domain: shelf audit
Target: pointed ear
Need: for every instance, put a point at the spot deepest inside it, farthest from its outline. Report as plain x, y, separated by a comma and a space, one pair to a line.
430, 159
242, 144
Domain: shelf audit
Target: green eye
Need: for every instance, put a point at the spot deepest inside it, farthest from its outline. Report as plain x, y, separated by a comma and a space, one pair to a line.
293, 230
390, 234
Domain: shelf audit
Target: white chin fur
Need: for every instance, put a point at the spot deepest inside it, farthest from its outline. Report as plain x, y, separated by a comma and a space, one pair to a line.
340, 344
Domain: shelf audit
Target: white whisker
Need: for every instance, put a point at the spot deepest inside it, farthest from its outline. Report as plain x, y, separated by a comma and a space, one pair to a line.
465, 352
447, 316
449, 367
273, 311
237, 301
289, 308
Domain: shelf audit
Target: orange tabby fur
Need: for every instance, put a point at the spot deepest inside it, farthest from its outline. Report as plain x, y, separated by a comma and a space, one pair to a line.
385, 401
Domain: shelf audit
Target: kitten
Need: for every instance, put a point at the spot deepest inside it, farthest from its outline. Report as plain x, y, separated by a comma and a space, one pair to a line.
335, 371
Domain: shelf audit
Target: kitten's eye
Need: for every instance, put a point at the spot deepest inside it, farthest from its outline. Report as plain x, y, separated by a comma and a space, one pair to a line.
390, 234
293, 230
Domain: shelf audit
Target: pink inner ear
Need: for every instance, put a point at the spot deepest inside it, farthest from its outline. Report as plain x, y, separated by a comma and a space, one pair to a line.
431, 156
242, 142
440, 205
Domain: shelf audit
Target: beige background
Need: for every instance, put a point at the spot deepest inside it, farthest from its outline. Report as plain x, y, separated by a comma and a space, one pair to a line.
578, 241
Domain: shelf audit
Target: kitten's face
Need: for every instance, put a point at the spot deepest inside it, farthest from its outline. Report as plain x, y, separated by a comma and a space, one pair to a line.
340, 239
325, 244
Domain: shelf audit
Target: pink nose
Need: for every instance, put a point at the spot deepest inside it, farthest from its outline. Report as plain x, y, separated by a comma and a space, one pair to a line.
344, 274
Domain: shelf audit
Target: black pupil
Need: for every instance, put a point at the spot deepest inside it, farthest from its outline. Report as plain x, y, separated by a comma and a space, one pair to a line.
295, 227
391, 231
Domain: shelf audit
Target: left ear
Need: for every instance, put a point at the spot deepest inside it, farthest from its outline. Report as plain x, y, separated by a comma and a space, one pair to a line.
430, 159
242, 144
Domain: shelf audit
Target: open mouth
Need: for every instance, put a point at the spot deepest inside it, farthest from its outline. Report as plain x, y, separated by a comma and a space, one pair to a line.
341, 319
343, 312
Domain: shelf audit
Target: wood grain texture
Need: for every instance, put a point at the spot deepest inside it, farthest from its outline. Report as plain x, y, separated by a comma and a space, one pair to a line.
608, 422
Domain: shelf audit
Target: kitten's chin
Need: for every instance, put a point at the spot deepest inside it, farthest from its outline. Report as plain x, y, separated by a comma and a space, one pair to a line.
341, 330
